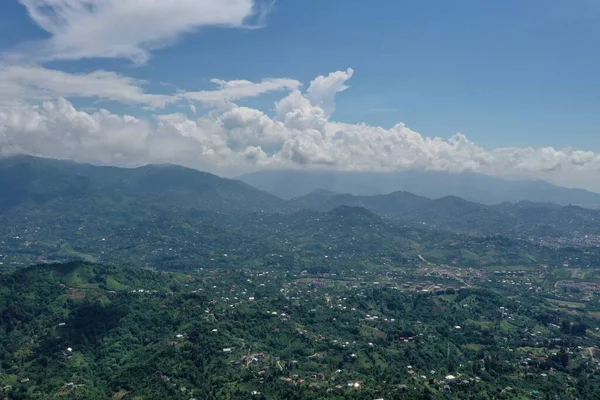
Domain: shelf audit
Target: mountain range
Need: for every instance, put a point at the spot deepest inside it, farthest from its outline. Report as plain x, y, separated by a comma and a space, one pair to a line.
474, 187
177, 217
522, 219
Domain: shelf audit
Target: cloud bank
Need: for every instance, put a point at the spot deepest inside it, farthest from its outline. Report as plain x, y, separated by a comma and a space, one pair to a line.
300, 133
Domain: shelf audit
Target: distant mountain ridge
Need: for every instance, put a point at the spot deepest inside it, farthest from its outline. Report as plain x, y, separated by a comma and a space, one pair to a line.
453, 213
474, 187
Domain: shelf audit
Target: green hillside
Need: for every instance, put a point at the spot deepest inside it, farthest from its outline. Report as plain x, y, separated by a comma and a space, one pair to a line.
86, 331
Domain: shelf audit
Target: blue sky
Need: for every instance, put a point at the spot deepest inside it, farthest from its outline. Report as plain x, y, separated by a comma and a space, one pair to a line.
506, 74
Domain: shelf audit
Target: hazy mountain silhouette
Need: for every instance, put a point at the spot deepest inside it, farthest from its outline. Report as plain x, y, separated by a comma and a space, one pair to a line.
474, 187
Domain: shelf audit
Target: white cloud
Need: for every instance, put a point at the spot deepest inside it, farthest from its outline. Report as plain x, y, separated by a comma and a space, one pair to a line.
125, 28
57, 129
322, 89
300, 134
19, 82
230, 91
36, 83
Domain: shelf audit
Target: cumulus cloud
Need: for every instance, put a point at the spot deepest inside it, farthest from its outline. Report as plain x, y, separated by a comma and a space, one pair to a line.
38, 83
57, 129
299, 134
125, 28
322, 89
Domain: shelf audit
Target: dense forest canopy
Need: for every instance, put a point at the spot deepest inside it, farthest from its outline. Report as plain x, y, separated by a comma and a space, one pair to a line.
87, 331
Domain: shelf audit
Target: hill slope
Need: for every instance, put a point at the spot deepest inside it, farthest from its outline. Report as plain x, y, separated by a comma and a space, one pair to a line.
70, 332
44, 182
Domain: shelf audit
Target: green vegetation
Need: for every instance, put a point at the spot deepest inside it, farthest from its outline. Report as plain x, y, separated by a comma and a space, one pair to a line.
86, 331
166, 283
176, 218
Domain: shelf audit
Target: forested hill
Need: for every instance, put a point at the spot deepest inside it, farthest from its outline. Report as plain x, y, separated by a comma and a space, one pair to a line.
174, 217
93, 332
51, 186
38, 182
